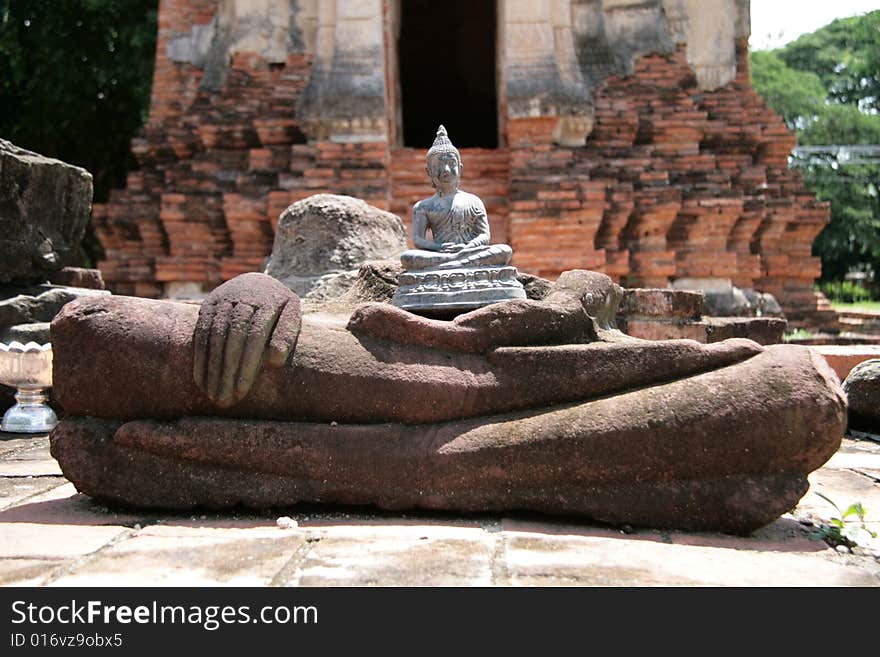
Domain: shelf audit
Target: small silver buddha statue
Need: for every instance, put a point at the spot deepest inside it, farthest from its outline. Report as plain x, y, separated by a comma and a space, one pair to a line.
456, 269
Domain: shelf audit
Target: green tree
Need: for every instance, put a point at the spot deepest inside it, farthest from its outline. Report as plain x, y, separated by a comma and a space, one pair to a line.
841, 124
850, 241
797, 96
75, 78
826, 86
845, 54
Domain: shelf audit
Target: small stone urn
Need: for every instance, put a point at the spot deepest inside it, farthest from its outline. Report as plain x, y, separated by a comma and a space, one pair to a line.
28, 369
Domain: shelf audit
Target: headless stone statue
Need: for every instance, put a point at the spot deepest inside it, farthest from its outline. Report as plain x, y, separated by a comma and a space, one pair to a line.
536, 404
456, 269
531, 404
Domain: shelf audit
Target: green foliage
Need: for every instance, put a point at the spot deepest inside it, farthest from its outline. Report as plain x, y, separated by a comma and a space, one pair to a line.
797, 96
75, 81
840, 531
857, 306
851, 241
846, 291
844, 54
841, 110
841, 124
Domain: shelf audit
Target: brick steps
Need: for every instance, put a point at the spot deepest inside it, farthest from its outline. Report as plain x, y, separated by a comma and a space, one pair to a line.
863, 322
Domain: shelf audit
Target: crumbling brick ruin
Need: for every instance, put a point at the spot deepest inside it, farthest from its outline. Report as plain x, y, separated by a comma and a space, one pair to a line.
621, 135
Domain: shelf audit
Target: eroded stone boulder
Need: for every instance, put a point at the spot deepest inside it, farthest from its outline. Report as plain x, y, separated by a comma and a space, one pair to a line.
762, 304
723, 299
322, 240
862, 387
39, 303
26, 311
44, 207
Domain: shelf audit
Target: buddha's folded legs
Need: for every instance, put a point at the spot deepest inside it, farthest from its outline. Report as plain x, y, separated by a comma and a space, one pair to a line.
415, 259
492, 255
723, 450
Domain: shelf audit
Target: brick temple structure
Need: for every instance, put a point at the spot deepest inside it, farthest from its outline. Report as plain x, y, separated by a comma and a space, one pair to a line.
616, 135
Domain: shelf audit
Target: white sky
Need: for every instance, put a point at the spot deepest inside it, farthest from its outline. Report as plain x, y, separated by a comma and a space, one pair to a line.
776, 22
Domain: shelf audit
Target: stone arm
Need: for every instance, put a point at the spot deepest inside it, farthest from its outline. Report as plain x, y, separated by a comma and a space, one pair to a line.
420, 230
579, 308
481, 225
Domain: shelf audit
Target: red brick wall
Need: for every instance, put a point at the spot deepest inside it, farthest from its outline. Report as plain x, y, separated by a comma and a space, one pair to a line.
673, 181
197, 210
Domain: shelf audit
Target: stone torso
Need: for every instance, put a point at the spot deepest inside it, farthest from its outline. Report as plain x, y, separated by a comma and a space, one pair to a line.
457, 218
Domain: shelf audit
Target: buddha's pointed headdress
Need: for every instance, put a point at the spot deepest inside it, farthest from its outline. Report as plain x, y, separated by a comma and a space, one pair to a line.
442, 145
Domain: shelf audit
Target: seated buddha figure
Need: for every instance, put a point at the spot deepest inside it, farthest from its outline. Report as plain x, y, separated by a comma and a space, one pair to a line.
458, 221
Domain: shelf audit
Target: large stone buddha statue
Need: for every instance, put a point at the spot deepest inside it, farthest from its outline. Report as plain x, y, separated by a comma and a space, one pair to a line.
456, 269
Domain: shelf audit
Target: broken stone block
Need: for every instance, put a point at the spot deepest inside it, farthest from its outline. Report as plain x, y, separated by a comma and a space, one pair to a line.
327, 237
862, 387
78, 277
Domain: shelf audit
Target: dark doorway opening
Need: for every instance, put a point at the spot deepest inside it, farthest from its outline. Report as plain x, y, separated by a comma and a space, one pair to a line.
447, 72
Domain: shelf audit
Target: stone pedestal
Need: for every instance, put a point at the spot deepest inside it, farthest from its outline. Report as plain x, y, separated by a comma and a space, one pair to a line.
439, 291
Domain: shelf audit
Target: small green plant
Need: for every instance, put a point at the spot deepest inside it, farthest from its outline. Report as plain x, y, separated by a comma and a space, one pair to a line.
841, 531
798, 334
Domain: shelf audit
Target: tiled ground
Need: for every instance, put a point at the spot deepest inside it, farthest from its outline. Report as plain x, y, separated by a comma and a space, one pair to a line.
51, 535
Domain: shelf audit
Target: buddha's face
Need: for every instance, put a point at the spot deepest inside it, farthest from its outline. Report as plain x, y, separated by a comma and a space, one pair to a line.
444, 170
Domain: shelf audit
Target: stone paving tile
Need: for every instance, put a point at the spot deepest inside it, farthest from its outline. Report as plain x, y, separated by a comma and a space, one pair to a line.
64, 506
426, 555
855, 443
873, 473
28, 572
189, 556
843, 487
51, 534
15, 489
856, 454
347, 520
539, 560
553, 526
20, 457
402, 531
235, 530
170, 521
860, 455
30, 468
33, 540
10, 443
783, 535
29, 448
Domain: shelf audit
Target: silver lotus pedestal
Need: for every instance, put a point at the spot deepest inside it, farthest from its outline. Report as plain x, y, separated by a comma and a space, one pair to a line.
454, 291
28, 369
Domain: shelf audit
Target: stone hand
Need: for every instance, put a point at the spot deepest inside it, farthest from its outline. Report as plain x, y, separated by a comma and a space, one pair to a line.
248, 320
450, 247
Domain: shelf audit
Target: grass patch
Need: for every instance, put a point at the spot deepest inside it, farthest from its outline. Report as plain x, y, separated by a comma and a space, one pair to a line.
856, 305
798, 334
